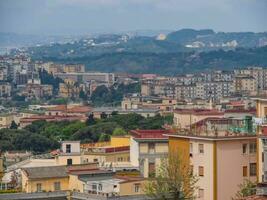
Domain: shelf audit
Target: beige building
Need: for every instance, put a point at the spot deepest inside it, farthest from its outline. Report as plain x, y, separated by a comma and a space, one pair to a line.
221, 163
184, 118
245, 84
6, 120
147, 148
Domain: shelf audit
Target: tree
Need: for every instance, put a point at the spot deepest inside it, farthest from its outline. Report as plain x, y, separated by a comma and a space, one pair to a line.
174, 180
104, 137
90, 120
119, 131
82, 95
13, 125
103, 115
247, 188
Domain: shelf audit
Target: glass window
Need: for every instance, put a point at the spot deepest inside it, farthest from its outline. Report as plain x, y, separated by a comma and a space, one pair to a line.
69, 161
68, 148
94, 187
201, 148
191, 148
244, 148
57, 186
252, 148
201, 171
252, 169
137, 187
100, 187
38, 187
245, 171
151, 147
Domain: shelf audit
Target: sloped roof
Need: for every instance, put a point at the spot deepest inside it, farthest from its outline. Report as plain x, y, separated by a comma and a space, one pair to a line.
46, 172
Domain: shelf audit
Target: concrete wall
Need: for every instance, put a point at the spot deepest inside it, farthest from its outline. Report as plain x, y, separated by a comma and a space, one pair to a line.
230, 162
134, 152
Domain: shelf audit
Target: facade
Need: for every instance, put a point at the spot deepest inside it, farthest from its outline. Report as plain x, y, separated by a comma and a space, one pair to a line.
45, 179
6, 120
210, 158
5, 89
184, 118
245, 84
147, 148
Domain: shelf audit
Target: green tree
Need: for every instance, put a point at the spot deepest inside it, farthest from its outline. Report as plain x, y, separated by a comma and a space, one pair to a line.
103, 115
247, 188
119, 132
13, 125
174, 180
104, 137
91, 120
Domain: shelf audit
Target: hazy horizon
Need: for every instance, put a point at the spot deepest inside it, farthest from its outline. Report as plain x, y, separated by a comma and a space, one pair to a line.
81, 17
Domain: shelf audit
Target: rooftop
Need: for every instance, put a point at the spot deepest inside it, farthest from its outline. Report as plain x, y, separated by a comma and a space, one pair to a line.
46, 172
199, 111
150, 134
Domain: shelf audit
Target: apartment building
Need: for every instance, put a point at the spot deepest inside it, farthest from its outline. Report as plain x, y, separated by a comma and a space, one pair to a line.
184, 118
147, 148
5, 89
246, 85
221, 162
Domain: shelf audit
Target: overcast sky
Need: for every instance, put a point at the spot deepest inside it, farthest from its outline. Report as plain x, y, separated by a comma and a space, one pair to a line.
84, 16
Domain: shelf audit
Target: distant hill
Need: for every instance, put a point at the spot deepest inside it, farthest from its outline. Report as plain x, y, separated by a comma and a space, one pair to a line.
186, 50
208, 39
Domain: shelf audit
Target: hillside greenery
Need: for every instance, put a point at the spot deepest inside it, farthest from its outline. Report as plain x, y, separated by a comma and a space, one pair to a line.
42, 136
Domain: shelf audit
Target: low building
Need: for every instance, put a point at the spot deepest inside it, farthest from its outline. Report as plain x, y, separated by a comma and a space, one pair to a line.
6, 120
45, 179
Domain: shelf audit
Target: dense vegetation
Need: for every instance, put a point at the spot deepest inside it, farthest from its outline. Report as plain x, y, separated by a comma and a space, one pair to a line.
43, 136
103, 96
170, 63
110, 53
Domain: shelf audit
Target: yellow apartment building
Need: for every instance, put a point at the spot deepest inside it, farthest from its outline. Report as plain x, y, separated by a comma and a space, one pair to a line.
6, 120
44, 179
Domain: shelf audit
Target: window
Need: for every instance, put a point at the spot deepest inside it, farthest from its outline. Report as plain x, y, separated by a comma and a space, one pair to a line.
95, 160
245, 171
69, 161
201, 193
244, 148
68, 148
57, 186
151, 169
94, 187
252, 169
100, 187
151, 147
191, 148
136, 188
201, 148
201, 171
252, 148
38, 187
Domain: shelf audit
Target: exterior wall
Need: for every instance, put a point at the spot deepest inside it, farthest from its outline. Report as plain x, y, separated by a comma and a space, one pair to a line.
134, 152
128, 188
75, 184
118, 141
184, 120
29, 186
6, 120
205, 160
230, 162
62, 159
75, 146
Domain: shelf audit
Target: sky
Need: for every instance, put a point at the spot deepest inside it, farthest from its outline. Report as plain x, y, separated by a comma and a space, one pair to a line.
77, 17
